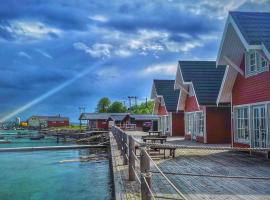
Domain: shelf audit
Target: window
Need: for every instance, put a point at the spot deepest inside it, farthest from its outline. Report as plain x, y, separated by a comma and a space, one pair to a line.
255, 63
242, 125
190, 123
200, 123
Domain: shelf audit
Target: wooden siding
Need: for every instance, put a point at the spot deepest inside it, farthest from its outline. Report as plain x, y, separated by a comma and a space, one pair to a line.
251, 89
178, 127
191, 104
218, 125
103, 124
57, 123
162, 110
240, 145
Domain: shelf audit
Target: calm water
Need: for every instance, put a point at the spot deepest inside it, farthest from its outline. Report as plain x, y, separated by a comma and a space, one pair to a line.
26, 142
53, 175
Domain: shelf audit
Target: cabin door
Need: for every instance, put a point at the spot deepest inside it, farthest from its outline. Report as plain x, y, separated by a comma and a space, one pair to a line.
259, 127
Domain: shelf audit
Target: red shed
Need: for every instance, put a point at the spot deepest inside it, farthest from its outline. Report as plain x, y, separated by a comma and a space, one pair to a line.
165, 105
199, 83
245, 49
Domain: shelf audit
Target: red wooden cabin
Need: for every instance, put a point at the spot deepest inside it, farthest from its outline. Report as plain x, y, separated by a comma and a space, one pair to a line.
245, 50
199, 83
165, 104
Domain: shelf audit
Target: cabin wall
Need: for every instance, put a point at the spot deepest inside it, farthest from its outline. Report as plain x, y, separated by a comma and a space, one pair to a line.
102, 124
162, 110
251, 89
218, 125
57, 123
178, 125
191, 104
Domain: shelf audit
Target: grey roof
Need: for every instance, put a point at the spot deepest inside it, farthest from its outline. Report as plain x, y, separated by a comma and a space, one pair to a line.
50, 118
94, 116
254, 26
101, 116
119, 117
206, 79
144, 117
165, 88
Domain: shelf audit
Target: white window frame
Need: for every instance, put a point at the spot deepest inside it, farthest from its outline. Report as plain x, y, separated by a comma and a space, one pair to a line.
258, 60
242, 120
194, 123
200, 123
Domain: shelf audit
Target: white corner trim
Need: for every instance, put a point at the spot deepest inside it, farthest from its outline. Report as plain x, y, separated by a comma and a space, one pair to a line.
231, 63
222, 40
222, 84
195, 96
237, 30
267, 53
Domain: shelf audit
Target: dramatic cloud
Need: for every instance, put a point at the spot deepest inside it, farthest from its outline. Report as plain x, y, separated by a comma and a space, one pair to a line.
120, 45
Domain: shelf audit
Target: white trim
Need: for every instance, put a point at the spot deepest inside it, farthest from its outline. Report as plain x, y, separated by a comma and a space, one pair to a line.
240, 35
251, 135
171, 117
231, 63
204, 134
267, 53
251, 104
238, 32
195, 96
222, 84
222, 40
232, 123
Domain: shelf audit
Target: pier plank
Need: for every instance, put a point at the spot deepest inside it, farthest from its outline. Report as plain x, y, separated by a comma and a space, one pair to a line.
220, 163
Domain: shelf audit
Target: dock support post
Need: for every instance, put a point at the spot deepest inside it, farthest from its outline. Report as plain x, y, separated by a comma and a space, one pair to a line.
125, 148
131, 161
145, 176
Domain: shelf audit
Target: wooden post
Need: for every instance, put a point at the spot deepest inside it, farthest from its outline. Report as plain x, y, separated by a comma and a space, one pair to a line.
125, 148
131, 162
145, 167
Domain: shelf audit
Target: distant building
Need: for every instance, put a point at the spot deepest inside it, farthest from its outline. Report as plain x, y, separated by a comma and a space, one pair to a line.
166, 98
104, 120
18, 121
47, 121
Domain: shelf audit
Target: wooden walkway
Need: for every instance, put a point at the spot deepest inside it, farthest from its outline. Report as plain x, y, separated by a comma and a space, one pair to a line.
124, 189
215, 175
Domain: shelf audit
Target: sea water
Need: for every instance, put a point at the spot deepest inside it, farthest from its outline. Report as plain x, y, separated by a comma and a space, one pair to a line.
54, 175
10, 135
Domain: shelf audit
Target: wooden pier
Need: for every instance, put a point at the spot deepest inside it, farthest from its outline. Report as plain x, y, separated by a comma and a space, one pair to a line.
45, 148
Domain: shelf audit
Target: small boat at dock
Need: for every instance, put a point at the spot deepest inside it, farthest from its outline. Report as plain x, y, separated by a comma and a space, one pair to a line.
37, 137
4, 142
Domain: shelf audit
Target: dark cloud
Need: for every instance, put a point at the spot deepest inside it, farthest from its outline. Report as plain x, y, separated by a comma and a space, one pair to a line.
54, 59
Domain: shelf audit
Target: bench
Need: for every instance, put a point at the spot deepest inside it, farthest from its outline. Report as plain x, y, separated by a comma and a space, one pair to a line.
160, 139
171, 150
154, 133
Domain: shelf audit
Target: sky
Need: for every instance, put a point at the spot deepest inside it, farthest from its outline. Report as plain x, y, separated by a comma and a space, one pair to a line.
58, 55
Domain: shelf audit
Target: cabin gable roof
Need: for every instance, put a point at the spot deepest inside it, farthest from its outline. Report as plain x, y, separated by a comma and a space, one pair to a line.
165, 89
205, 79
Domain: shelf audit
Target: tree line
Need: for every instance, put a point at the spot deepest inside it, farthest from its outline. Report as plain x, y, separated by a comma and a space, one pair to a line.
105, 105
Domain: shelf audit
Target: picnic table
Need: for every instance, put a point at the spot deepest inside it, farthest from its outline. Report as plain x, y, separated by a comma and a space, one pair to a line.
154, 139
154, 133
171, 150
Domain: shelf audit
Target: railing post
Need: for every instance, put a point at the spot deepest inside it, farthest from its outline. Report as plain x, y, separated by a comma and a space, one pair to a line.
145, 174
125, 149
131, 161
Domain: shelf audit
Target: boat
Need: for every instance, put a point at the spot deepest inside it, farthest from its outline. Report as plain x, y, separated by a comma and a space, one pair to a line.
37, 137
4, 141
1, 137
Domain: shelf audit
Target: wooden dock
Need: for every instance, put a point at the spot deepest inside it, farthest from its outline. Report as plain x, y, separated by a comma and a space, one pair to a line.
215, 175
44, 148
123, 189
